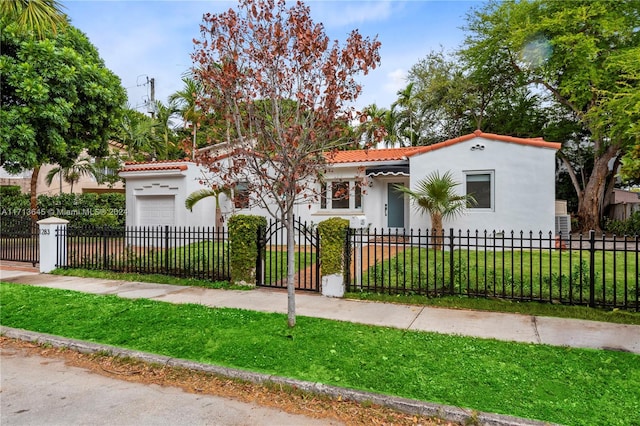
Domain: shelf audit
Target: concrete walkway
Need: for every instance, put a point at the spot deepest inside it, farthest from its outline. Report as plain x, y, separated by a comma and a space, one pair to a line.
491, 325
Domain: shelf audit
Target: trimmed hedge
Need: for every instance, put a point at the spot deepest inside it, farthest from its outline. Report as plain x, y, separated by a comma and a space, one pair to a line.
332, 234
9, 190
79, 209
243, 237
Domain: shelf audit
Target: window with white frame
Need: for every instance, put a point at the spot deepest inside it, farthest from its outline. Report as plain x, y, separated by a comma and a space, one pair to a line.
479, 184
340, 195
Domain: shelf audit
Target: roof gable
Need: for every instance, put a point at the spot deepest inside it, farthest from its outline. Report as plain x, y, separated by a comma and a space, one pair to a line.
535, 142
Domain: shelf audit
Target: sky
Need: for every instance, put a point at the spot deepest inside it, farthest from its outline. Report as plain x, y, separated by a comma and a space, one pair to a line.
144, 40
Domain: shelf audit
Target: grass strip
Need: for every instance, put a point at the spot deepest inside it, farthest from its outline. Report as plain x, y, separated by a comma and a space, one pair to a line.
561, 385
147, 278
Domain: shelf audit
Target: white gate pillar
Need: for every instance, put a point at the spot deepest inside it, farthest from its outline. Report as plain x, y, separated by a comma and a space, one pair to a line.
50, 250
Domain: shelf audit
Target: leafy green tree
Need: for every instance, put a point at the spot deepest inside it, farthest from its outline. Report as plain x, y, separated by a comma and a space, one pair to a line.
36, 16
58, 99
454, 99
583, 54
71, 174
436, 196
630, 170
106, 168
447, 98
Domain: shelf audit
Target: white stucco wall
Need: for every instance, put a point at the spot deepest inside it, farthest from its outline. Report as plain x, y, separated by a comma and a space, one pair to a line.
523, 184
170, 183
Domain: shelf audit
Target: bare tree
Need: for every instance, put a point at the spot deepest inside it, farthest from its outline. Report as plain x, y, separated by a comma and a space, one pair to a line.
285, 90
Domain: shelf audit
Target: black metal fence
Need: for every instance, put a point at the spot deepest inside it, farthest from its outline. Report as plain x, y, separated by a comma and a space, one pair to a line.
583, 270
19, 239
189, 252
272, 256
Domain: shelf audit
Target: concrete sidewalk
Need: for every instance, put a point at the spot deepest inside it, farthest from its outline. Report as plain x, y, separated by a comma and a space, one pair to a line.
491, 325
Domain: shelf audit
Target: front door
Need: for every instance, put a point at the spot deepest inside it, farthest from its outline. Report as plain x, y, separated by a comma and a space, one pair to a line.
394, 208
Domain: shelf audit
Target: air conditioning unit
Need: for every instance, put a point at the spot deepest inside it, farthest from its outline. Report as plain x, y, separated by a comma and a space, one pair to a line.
563, 224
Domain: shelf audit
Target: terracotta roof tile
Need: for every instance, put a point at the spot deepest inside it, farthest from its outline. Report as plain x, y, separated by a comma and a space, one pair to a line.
538, 142
131, 163
365, 155
148, 168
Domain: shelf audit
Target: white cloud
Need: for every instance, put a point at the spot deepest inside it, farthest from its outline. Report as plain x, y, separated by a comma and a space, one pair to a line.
396, 80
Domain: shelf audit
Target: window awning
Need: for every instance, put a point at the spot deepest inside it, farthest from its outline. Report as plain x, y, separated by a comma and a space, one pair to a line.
395, 170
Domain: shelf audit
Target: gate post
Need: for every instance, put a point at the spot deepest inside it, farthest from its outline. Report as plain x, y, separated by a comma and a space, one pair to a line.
260, 246
332, 237
53, 243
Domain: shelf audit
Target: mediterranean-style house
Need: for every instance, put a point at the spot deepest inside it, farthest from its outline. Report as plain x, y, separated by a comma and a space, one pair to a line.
512, 180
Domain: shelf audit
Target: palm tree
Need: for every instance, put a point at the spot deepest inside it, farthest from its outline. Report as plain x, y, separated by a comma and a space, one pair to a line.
163, 129
38, 16
187, 102
391, 122
71, 174
374, 125
435, 195
196, 196
381, 120
407, 120
135, 132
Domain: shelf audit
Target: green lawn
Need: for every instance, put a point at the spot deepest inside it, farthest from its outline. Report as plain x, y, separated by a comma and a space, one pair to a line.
560, 385
557, 276
204, 260
201, 260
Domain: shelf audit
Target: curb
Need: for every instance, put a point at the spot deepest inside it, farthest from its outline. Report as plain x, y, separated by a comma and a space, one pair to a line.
410, 406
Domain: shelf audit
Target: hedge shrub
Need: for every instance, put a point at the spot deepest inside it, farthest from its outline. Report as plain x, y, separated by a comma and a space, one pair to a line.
631, 226
79, 209
332, 234
9, 190
243, 237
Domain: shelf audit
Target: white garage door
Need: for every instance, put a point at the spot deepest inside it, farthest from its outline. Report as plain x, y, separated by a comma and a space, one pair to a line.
156, 210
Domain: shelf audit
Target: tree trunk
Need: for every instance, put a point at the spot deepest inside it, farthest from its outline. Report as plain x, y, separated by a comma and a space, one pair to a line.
608, 197
34, 194
436, 224
590, 206
291, 291
219, 220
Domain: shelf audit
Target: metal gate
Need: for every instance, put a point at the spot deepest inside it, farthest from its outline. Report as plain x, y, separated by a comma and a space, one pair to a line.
272, 256
19, 239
